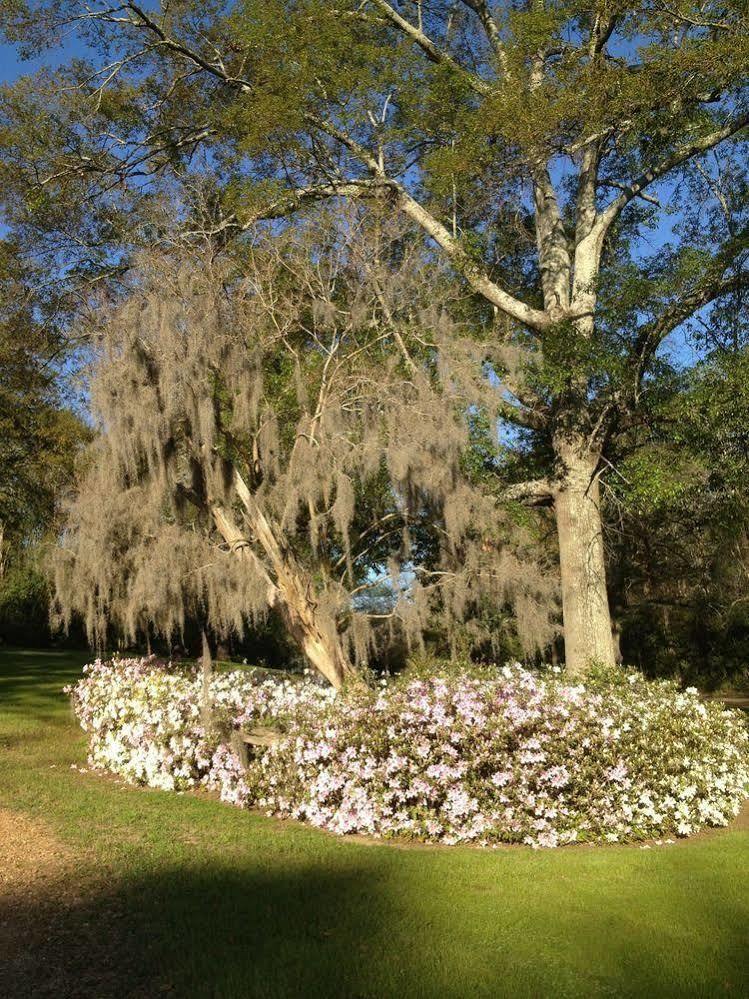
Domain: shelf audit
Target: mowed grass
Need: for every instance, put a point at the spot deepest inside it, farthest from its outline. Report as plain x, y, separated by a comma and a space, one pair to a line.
194, 898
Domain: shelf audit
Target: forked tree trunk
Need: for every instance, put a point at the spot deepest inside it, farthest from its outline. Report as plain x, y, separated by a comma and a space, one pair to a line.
585, 605
291, 594
322, 650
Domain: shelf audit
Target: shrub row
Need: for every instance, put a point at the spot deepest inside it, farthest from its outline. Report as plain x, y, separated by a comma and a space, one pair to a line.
504, 756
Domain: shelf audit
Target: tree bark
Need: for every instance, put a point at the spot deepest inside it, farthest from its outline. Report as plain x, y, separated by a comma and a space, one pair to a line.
322, 650
585, 605
206, 670
291, 592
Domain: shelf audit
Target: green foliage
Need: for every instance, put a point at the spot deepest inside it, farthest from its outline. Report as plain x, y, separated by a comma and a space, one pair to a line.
684, 516
39, 443
659, 476
24, 607
39, 437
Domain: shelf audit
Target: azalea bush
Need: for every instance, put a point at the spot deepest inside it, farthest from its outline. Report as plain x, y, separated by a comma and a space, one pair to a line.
156, 724
503, 755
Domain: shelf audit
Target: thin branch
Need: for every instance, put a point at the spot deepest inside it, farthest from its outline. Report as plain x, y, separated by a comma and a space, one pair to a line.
165, 41
432, 51
651, 199
666, 165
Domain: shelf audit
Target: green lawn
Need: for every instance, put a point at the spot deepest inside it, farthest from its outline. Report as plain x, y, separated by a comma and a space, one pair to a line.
185, 896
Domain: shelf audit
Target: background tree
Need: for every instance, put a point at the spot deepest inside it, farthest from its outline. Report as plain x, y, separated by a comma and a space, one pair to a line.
39, 439
679, 542
537, 145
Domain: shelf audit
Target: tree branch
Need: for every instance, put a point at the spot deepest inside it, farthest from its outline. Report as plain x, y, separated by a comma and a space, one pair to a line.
430, 49
695, 22
294, 199
474, 274
537, 492
491, 28
165, 41
713, 286
553, 245
666, 165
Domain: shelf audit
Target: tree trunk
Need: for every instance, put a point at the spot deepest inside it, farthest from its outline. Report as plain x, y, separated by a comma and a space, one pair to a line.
291, 594
321, 645
206, 669
585, 605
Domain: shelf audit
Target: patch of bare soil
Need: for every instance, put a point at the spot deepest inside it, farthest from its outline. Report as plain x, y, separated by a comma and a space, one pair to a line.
28, 852
61, 931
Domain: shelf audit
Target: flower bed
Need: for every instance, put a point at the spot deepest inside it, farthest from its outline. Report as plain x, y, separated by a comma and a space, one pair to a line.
507, 756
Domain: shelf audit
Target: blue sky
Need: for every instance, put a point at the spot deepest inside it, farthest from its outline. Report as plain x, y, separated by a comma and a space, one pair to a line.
10, 64
11, 67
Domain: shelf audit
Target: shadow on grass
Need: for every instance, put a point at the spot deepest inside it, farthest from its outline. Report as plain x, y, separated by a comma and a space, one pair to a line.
218, 932
193, 934
32, 681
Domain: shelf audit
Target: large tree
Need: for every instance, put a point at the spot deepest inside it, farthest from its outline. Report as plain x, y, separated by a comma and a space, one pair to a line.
39, 434
269, 441
542, 147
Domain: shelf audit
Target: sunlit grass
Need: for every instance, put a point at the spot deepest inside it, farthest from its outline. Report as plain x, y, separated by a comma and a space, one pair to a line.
218, 902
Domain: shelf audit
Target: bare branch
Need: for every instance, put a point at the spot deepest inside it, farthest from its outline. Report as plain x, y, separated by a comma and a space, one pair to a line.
650, 198
213, 68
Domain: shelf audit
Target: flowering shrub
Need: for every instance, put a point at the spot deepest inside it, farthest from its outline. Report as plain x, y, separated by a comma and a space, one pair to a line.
508, 756
146, 720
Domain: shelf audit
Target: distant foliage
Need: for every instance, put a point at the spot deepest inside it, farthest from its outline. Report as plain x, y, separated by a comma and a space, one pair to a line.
483, 757
24, 600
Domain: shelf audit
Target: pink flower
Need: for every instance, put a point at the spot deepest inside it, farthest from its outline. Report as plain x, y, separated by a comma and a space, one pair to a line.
501, 778
556, 776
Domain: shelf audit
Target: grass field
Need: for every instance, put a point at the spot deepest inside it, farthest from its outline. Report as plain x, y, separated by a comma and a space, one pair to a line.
112, 890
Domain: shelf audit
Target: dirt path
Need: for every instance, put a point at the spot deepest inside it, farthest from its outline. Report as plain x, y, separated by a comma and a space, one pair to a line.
29, 854
59, 932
